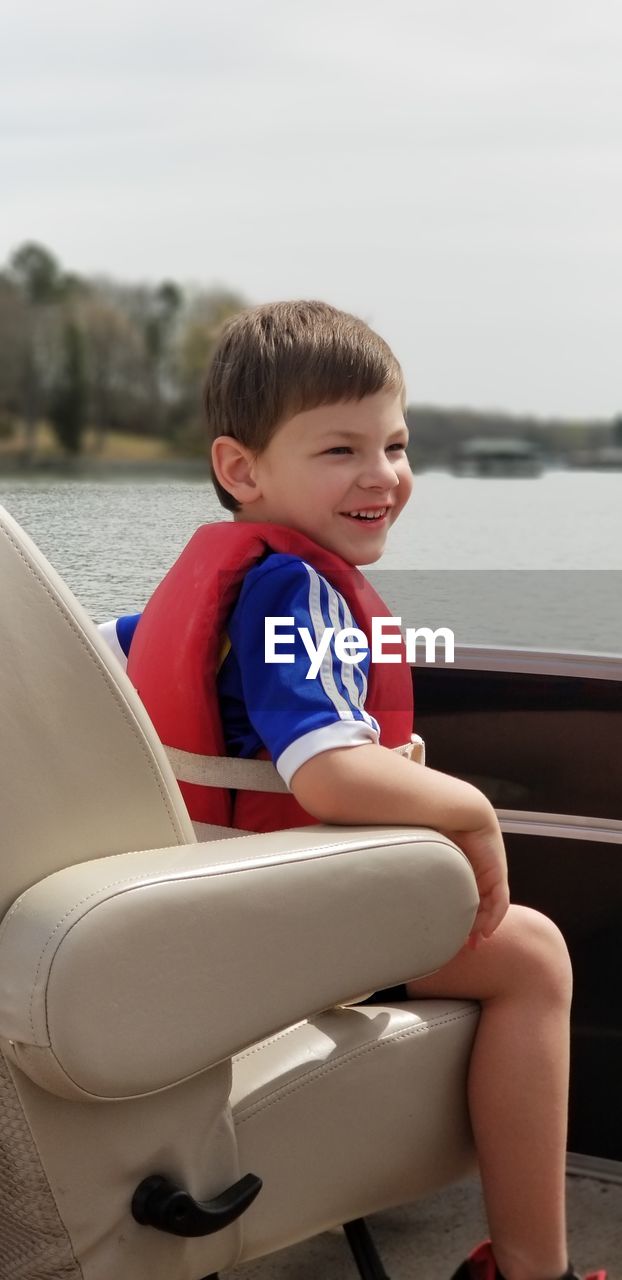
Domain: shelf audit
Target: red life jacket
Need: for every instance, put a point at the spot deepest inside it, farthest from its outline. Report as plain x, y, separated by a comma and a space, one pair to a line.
176, 652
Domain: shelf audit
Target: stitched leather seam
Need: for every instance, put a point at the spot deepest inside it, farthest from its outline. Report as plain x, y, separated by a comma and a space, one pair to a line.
102, 672
312, 1076
257, 1048
243, 864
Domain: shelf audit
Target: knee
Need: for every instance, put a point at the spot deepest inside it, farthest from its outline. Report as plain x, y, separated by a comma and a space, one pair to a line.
544, 958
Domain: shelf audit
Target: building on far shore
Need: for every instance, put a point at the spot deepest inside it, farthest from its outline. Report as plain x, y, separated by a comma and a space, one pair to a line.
439, 435
496, 456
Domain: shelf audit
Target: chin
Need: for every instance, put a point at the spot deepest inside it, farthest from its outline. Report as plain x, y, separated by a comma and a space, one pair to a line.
370, 558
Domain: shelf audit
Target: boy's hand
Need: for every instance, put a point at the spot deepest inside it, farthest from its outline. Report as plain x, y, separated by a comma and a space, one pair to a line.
486, 852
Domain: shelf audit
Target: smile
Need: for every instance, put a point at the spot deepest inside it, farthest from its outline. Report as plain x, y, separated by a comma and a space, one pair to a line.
371, 515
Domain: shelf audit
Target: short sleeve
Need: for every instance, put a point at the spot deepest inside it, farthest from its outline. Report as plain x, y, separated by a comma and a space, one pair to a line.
119, 633
295, 715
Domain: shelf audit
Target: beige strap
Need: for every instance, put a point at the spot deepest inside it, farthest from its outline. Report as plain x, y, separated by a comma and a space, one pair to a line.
235, 774
413, 750
225, 771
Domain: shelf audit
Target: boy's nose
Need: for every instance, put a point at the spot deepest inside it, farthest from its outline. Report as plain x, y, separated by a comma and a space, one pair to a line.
379, 474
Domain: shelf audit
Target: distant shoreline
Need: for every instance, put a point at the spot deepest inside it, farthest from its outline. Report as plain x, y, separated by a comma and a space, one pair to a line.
90, 468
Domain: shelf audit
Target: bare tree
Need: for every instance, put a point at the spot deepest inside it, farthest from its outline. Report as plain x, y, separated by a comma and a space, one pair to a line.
37, 279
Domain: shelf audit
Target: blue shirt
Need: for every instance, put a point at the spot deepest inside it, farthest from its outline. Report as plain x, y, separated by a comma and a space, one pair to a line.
274, 704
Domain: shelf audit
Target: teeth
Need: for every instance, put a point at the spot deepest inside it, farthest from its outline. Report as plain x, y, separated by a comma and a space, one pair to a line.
369, 515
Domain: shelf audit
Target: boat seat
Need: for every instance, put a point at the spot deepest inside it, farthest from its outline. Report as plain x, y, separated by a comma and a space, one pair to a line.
185, 1083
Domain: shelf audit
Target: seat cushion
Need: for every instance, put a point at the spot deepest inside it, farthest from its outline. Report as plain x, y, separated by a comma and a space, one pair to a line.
309, 1122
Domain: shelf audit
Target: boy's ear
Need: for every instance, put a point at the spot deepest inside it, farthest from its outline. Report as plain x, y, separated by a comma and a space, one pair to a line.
233, 466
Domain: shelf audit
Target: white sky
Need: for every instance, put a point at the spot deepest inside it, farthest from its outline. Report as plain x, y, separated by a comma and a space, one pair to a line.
449, 169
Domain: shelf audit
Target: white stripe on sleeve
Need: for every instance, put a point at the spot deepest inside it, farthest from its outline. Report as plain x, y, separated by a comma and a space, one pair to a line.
331, 737
357, 694
342, 707
108, 631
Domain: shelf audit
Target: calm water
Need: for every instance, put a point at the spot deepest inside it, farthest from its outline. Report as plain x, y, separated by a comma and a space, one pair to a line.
535, 563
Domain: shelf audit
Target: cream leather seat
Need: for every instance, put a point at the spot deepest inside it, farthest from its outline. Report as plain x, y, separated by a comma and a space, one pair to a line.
172, 1010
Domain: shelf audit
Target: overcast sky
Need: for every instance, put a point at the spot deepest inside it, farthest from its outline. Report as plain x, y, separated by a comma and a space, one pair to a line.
449, 169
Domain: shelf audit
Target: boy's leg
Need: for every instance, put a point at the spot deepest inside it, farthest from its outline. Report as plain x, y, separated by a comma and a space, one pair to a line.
518, 1085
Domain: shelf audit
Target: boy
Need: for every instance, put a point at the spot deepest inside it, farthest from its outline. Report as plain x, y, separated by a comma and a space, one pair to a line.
305, 412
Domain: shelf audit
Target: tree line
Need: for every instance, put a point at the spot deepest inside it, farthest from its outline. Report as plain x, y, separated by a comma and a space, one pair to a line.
78, 350
438, 433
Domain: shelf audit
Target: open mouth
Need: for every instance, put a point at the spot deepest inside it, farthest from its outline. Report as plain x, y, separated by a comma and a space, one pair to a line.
367, 516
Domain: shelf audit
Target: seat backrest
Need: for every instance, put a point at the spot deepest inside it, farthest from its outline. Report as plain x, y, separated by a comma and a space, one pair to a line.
83, 772
85, 776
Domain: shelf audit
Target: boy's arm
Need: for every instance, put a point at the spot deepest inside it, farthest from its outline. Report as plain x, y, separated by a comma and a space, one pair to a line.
372, 785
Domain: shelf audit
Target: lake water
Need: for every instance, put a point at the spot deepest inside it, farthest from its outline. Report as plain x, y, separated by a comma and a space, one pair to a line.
532, 563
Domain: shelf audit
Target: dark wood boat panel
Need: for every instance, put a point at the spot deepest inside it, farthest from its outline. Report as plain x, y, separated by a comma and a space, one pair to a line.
552, 744
538, 742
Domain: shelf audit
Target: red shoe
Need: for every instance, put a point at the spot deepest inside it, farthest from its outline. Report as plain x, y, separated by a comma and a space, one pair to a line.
481, 1265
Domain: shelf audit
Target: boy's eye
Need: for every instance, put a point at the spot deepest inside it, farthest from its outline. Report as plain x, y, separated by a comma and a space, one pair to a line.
339, 449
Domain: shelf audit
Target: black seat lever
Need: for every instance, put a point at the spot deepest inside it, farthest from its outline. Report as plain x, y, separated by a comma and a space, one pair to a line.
158, 1202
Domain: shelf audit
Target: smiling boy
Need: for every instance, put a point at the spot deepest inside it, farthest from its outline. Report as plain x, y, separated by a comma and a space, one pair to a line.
305, 412
338, 473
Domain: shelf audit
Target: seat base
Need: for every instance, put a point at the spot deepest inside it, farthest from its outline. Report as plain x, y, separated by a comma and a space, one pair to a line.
308, 1121
364, 1251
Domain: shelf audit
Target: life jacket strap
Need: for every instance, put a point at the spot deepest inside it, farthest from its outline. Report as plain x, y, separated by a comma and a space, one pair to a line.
413, 750
235, 774
230, 772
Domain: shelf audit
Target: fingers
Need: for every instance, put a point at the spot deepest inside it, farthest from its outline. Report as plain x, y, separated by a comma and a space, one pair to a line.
489, 916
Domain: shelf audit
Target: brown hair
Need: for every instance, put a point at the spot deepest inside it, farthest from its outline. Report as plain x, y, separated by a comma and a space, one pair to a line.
280, 359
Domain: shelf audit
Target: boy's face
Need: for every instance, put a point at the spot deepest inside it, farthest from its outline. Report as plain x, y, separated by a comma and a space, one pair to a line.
338, 474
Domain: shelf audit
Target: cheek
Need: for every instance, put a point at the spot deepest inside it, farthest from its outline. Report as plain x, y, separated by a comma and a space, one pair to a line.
406, 484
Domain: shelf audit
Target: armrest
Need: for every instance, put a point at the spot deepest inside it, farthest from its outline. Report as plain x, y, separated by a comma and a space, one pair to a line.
124, 975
